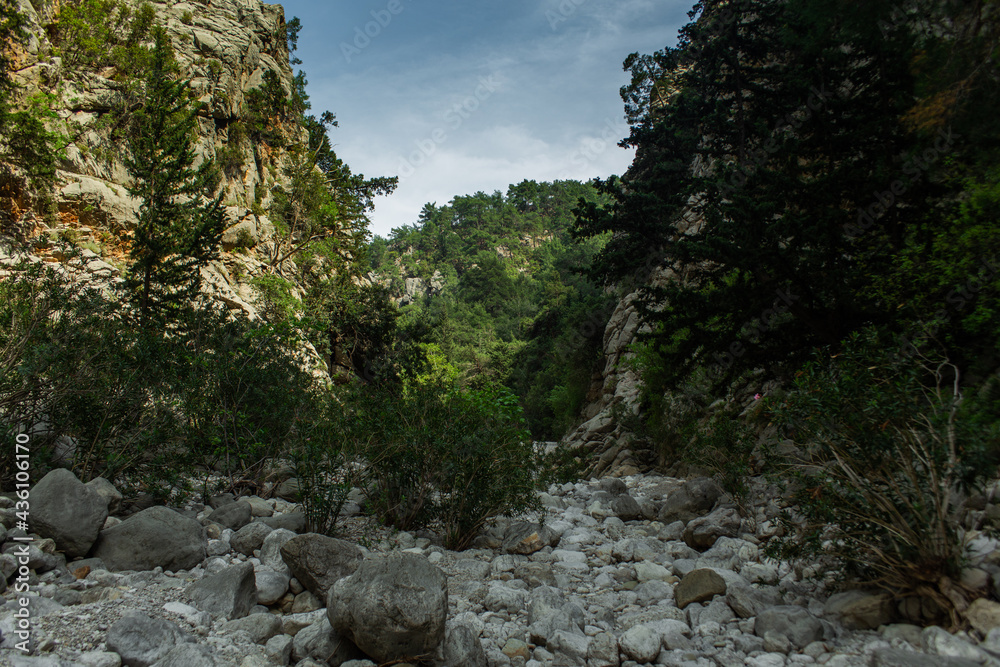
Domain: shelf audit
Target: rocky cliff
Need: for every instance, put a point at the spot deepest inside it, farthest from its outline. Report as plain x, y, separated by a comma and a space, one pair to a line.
225, 48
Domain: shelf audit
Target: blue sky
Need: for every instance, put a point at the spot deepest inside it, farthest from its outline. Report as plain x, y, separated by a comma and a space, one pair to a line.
455, 97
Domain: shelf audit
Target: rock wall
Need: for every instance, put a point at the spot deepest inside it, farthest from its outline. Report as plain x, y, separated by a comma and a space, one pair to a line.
225, 47
614, 393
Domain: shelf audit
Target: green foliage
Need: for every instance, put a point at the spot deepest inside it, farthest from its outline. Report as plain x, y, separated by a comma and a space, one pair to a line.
507, 302
444, 458
887, 447
218, 395
292, 29
31, 144
796, 144
277, 303
104, 33
245, 395
174, 236
71, 368
727, 447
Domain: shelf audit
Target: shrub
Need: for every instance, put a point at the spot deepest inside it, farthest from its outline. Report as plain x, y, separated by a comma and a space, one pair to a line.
886, 449
92, 389
245, 395
726, 447
445, 458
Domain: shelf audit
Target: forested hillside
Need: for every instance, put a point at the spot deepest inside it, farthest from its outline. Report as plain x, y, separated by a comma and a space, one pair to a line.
496, 285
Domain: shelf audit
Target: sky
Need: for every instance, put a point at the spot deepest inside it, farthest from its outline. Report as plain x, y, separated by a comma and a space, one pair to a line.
459, 97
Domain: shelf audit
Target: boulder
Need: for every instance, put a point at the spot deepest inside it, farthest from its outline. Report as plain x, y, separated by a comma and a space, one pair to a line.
462, 646
695, 498
249, 538
293, 521
141, 640
523, 537
983, 615
860, 610
154, 537
289, 490
318, 561
320, 641
270, 549
626, 508
231, 593
613, 486
748, 602
259, 627
68, 511
391, 607
234, 515
107, 490
641, 643
702, 533
699, 586
794, 623
271, 586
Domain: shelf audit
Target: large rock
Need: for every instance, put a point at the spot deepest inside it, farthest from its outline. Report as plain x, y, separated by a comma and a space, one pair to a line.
702, 533
699, 586
318, 640
792, 622
293, 521
68, 511
154, 537
983, 615
626, 507
270, 549
249, 538
393, 607
318, 561
523, 537
141, 640
462, 646
259, 627
860, 610
231, 593
641, 643
748, 602
695, 498
234, 515
107, 490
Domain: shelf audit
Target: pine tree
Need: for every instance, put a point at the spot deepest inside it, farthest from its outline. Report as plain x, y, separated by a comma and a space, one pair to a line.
758, 141
180, 224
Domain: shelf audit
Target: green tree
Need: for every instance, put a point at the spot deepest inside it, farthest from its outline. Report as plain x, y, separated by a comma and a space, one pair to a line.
180, 223
759, 139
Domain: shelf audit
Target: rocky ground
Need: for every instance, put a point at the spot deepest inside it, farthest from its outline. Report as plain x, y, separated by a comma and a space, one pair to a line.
629, 571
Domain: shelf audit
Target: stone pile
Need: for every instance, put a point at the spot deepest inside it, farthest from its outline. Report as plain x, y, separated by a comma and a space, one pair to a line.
620, 572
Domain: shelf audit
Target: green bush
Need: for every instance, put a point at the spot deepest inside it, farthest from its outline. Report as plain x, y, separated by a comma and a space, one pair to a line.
72, 369
146, 407
444, 458
727, 447
245, 396
887, 447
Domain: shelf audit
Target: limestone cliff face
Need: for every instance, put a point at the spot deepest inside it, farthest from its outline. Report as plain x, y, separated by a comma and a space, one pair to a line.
225, 47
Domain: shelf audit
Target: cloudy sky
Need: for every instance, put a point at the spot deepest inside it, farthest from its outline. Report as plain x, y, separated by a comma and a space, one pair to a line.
456, 97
